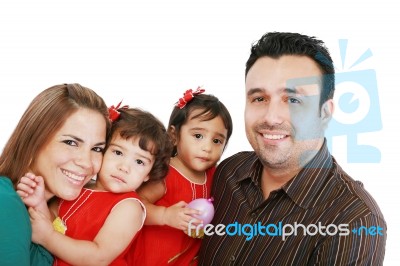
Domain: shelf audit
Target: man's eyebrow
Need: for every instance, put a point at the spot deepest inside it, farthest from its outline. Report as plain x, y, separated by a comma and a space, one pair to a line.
254, 90
298, 90
291, 91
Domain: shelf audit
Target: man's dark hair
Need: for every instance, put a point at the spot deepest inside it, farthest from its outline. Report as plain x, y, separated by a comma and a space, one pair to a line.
277, 44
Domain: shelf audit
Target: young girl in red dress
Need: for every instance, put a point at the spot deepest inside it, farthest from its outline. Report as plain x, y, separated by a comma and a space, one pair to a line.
99, 226
200, 127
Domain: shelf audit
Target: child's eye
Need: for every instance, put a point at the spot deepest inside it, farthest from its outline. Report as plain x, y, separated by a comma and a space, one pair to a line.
218, 141
117, 152
138, 161
198, 136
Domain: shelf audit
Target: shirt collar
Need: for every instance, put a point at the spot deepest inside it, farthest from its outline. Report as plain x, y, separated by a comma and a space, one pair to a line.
252, 170
304, 187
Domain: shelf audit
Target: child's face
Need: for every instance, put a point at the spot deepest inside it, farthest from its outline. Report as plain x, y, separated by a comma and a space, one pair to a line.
125, 165
201, 143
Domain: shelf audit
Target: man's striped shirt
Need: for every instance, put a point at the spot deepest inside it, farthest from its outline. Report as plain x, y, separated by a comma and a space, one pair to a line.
321, 200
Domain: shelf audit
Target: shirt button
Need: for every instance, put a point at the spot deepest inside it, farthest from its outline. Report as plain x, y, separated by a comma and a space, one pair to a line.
232, 258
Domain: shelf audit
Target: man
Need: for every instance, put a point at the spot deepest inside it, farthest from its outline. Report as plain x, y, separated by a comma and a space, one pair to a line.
289, 202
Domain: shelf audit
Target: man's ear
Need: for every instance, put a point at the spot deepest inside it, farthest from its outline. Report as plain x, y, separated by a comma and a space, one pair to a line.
327, 110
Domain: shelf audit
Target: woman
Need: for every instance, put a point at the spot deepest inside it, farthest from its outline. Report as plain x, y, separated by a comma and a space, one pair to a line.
61, 137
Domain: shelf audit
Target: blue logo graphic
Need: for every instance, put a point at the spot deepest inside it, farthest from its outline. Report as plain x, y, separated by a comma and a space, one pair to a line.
357, 109
368, 231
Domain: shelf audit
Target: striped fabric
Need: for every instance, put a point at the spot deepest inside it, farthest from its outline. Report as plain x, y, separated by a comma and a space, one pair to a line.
321, 197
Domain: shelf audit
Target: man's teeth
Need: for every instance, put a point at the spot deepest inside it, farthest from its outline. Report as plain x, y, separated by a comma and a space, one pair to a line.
75, 177
268, 136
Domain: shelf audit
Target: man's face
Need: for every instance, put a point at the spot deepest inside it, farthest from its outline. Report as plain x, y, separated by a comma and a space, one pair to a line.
284, 123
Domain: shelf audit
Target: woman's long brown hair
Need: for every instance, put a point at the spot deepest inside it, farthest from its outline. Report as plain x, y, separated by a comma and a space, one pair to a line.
44, 116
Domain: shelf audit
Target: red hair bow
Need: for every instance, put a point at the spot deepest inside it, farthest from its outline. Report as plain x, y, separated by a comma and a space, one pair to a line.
113, 113
188, 96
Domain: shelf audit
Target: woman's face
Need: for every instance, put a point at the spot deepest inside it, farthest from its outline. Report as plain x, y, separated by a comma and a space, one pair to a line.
73, 155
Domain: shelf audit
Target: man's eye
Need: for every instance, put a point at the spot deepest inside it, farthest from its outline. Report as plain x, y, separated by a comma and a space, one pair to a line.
294, 100
258, 99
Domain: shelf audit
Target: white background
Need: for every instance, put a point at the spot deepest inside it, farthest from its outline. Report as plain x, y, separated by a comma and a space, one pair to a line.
148, 52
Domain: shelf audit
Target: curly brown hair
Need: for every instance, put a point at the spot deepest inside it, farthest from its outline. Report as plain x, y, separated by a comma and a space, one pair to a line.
153, 137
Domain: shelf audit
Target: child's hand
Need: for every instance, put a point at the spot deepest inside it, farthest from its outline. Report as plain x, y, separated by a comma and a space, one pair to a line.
42, 227
179, 217
31, 190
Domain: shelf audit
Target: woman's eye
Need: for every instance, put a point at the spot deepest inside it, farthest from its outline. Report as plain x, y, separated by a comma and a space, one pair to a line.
98, 149
70, 142
198, 136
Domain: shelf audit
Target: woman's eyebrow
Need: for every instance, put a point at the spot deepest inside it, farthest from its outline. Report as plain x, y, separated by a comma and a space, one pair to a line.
82, 141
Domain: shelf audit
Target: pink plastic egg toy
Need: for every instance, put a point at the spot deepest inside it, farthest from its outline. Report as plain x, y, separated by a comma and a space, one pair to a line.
205, 206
